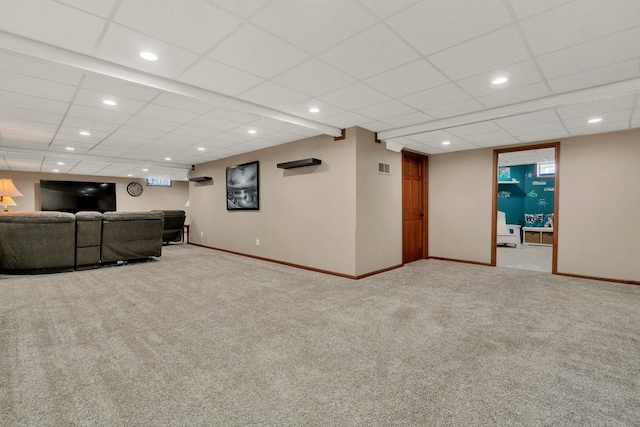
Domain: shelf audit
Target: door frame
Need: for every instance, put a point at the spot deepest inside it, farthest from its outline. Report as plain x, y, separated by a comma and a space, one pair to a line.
425, 200
556, 199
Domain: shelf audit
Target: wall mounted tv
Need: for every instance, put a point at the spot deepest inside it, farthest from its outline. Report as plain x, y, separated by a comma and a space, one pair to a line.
75, 196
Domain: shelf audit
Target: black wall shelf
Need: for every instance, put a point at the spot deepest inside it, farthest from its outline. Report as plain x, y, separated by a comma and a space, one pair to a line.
299, 163
200, 179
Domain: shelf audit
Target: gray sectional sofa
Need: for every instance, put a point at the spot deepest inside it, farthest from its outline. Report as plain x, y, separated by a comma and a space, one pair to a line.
32, 242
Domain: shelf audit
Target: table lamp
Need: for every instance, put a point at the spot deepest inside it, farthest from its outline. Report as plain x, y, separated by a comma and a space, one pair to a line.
7, 191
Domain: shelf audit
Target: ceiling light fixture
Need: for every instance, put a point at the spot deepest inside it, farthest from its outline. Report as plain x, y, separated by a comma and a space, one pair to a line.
61, 163
69, 148
145, 170
252, 131
167, 158
56, 170
109, 102
499, 81
85, 133
200, 148
446, 142
595, 120
129, 174
314, 110
149, 56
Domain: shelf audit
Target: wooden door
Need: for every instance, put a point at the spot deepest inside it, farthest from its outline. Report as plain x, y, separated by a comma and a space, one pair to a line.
413, 208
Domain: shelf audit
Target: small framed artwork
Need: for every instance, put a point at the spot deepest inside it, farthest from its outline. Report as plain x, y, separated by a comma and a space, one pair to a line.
243, 187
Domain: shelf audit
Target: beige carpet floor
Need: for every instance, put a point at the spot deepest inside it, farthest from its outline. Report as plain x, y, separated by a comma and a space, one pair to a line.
204, 338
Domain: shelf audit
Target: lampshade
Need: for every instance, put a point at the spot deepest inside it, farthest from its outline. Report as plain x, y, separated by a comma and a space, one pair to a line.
8, 201
8, 189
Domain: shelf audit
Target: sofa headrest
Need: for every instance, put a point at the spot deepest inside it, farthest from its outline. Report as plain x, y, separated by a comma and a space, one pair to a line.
171, 212
37, 217
132, 216
88, 216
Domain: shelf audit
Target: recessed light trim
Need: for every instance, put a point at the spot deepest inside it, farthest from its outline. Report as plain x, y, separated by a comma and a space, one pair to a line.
314, 110
595, 120
446, 142
200, 148
70, 149
252, 131
61, 163
109, 102
499, 80
149, 56
145, 170
167, 158
84, 133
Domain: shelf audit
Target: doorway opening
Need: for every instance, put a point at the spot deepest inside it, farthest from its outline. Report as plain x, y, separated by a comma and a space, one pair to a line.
525, 199
414, 207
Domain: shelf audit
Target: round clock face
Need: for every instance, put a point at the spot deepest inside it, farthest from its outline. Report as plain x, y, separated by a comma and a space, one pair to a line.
134, 189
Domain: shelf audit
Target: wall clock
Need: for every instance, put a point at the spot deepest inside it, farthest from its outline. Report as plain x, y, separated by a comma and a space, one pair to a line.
134, 189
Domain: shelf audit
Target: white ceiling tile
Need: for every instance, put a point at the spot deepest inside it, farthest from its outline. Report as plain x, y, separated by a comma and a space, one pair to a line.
544, 136
273, 124
376, 126
15, 63
314, 77
384, 8
90, 98
168, 114
408, 119
599, 76
181, 140
257, 52
520, 74
305, 132
311, 25
30, 115
485, 53
7, 124
475, 128
244, 131
123, 46
119, 88
243, 8
183, 103
219, 78
195, 131
498, 142
434, 137
214, 123
578, 22
12, 82
354, 96
90, 125
197, 27
137, 132
73, 134
273, 95
593, 54
51, 23
525, 8
555, 126
529, 119
595, 108
101, 8
20, 140
27, 102
385, 110
410, 78
345, 120
360, 55
436, 97
431, 26
282, 137
98, 114
152, 124
455, 109
302, 109
233, 115
512, 96
457, 146
607, 118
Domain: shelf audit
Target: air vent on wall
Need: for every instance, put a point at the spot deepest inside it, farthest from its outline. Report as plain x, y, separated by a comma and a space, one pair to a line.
383, 168
200, 178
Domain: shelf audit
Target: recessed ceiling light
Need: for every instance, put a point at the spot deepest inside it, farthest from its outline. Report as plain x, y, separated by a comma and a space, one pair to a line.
145, 170
253, 131
167, 158
314, 110
149, 56
446, 142
595, 120
85, 133
499, 80
69, 148
129, 174
61, 163
109, 102
200, 148
56, 170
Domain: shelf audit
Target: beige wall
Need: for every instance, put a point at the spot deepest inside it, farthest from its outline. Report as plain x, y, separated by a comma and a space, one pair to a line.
460, 193
173, 197
379, 206
600, 206
307, 215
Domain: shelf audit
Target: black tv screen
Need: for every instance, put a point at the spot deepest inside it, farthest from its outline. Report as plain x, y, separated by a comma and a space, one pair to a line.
75, 196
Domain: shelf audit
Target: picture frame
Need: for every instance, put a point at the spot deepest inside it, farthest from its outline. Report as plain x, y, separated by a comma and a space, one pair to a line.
243, 186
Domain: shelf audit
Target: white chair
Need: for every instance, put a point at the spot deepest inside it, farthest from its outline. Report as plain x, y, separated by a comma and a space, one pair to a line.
507, 233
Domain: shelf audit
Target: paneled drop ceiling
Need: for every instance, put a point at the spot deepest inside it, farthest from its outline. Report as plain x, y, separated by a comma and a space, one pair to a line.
418, 72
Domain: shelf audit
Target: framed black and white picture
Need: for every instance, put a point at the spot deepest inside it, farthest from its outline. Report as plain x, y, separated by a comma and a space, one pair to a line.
243, 190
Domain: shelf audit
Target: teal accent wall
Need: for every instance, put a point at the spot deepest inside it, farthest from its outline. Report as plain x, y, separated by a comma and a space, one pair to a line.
520, 201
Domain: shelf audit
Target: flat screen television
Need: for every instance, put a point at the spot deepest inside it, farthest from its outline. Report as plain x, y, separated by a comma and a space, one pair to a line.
75, 196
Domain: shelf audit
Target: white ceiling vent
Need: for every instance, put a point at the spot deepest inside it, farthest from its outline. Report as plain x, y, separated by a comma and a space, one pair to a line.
383, 168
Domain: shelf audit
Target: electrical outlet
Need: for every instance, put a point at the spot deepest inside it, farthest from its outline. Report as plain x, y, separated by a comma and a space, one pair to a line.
257, 242
202, 234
